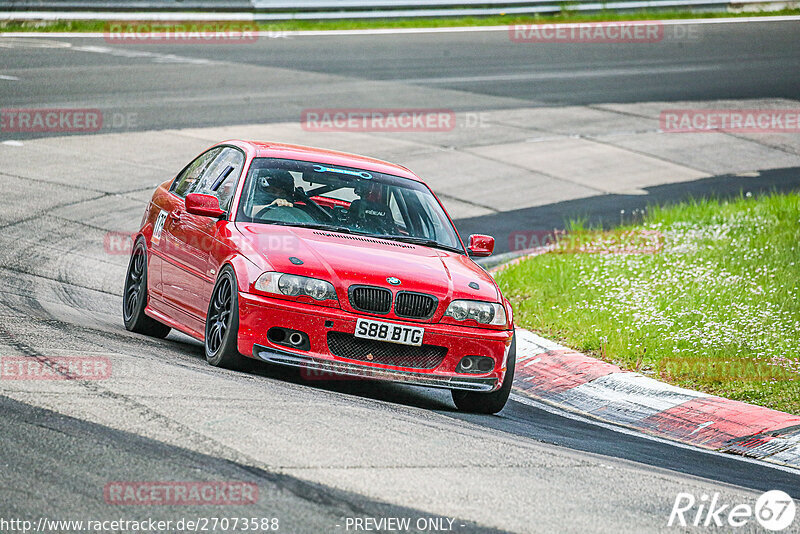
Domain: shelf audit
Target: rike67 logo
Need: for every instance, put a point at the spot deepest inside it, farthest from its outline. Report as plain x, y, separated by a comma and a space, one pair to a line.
774, 511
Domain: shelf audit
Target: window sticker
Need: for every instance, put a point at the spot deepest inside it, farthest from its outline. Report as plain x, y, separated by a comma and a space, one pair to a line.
360, 174
159, 226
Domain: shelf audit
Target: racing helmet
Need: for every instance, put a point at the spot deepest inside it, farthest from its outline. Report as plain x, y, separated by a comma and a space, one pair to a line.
272, 183
273, 180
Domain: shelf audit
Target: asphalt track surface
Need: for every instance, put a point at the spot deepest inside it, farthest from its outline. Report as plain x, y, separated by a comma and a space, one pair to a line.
273, 79
611, 210
322, 452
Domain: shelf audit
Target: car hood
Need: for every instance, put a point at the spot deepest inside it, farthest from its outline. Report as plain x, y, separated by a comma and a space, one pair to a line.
350, 259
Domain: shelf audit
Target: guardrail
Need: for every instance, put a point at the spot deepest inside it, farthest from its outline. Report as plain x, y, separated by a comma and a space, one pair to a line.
329, 9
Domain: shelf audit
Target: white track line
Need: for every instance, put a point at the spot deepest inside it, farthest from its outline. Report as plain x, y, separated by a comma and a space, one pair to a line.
561, 75
458, 29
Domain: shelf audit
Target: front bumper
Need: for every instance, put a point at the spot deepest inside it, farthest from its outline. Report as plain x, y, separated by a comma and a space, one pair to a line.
257, 314
314, 365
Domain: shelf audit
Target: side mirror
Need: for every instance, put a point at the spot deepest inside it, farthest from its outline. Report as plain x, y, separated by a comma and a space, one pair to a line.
480, 246
205, 205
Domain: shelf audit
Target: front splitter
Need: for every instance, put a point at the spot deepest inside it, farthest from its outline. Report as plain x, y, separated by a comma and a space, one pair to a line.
361, 371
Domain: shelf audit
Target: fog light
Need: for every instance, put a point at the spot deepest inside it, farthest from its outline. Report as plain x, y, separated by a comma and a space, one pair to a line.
276, 335
485, 364
475, 365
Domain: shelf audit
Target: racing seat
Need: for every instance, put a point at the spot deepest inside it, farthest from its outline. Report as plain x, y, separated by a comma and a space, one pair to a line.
373, 217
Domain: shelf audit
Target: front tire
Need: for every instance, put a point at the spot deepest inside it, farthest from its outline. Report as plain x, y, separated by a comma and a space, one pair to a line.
134, 299
489, 403
222, 323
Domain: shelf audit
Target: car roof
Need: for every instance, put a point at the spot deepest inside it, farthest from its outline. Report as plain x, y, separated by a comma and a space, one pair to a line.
321, 155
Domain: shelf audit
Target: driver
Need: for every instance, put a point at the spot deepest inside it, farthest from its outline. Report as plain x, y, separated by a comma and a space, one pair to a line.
275, 187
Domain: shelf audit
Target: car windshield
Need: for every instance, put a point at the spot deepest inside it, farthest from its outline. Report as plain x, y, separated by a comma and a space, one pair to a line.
343, 199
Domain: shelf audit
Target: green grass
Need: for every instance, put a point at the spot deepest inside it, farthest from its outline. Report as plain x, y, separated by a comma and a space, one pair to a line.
717, 308
353, 24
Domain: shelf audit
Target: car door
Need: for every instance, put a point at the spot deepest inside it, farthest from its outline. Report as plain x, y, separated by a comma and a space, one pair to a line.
161, 212
220, 181
183, 269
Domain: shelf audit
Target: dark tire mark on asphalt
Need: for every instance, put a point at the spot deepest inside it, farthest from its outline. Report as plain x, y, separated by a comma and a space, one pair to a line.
72, 460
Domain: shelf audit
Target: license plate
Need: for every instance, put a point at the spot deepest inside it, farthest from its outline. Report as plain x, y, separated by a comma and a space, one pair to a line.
393, 333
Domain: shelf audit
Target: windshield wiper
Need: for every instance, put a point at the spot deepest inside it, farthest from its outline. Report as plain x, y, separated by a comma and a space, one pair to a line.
315, 226
423, 241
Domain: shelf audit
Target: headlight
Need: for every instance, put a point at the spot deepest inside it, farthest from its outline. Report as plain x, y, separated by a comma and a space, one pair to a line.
481, 312
295, 286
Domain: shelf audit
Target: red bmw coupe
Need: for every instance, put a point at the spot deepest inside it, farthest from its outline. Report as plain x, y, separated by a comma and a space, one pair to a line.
331, 262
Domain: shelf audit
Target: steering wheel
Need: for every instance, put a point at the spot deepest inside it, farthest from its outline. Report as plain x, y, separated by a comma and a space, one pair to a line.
263, 211
285, 214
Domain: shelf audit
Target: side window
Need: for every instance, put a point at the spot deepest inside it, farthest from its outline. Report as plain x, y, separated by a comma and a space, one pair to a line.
221, 176
185, 181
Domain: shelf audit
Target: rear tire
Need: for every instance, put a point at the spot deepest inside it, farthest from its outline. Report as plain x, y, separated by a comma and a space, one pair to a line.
222, 323
134, 299
489, 403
